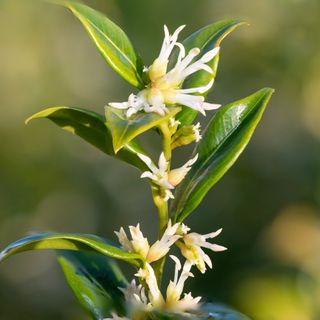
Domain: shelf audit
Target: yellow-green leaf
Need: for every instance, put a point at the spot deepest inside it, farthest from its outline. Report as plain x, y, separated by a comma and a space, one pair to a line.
125, 129
91, 127
111, 41
69, 241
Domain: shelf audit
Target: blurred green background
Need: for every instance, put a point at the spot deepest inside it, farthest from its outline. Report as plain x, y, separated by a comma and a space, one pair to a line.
268, 204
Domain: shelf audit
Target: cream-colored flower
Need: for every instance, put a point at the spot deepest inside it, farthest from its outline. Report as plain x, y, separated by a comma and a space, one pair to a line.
135, 295
165, 86
160, 175
175, 289
191, 248
149, 276
139, 244
161, 247
174, 292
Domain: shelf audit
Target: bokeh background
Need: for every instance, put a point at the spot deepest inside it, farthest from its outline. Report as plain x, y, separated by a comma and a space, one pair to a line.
268, 203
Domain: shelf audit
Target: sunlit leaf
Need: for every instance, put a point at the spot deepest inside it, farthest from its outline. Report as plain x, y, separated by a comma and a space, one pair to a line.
110, 40
223, 141
68, 241
91, 127
95, 281
205, 39
125, 129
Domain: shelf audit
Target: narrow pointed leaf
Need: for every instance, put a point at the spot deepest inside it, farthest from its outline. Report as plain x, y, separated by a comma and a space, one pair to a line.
95, 281
91, 127
205, 39
110, 40
123, 130
223, 141
68, 241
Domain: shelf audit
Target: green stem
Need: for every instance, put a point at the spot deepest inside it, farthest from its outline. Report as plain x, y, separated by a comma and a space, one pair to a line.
158, 200
163, 222
162, 210
166, 135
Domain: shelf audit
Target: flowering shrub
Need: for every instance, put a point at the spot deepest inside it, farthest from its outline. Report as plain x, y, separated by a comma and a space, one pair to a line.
169, 95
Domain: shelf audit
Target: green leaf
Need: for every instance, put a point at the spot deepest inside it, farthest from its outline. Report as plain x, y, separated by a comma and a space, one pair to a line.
110, 40
95, 281
123, 130
68, 241
221, 312
205, 39
91, 127
223, 141
206, 312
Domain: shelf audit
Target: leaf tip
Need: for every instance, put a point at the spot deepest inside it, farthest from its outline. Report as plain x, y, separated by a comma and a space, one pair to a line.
117, 148
32, 117
268, 91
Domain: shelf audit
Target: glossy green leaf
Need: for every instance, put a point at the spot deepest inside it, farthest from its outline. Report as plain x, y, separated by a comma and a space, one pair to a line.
123, 130
110, 40
95, 281
68, 241
205, 39
223, 141
207, 311
91, 127
220, 312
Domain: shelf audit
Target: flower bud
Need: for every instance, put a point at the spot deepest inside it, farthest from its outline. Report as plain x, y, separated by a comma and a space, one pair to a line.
175, 176
186, 135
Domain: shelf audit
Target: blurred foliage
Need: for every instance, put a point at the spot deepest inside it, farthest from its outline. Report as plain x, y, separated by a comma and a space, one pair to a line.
268, 203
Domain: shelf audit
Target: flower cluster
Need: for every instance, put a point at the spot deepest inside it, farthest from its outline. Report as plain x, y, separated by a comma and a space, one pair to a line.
190, 245
164, 88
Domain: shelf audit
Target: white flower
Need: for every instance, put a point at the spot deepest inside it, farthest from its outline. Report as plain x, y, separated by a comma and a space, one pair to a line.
175, 289
183, 229
165, 86
196, 131
160, 176
174, 292
135, 295
191, 248
161, 247
149, 276
138, 244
